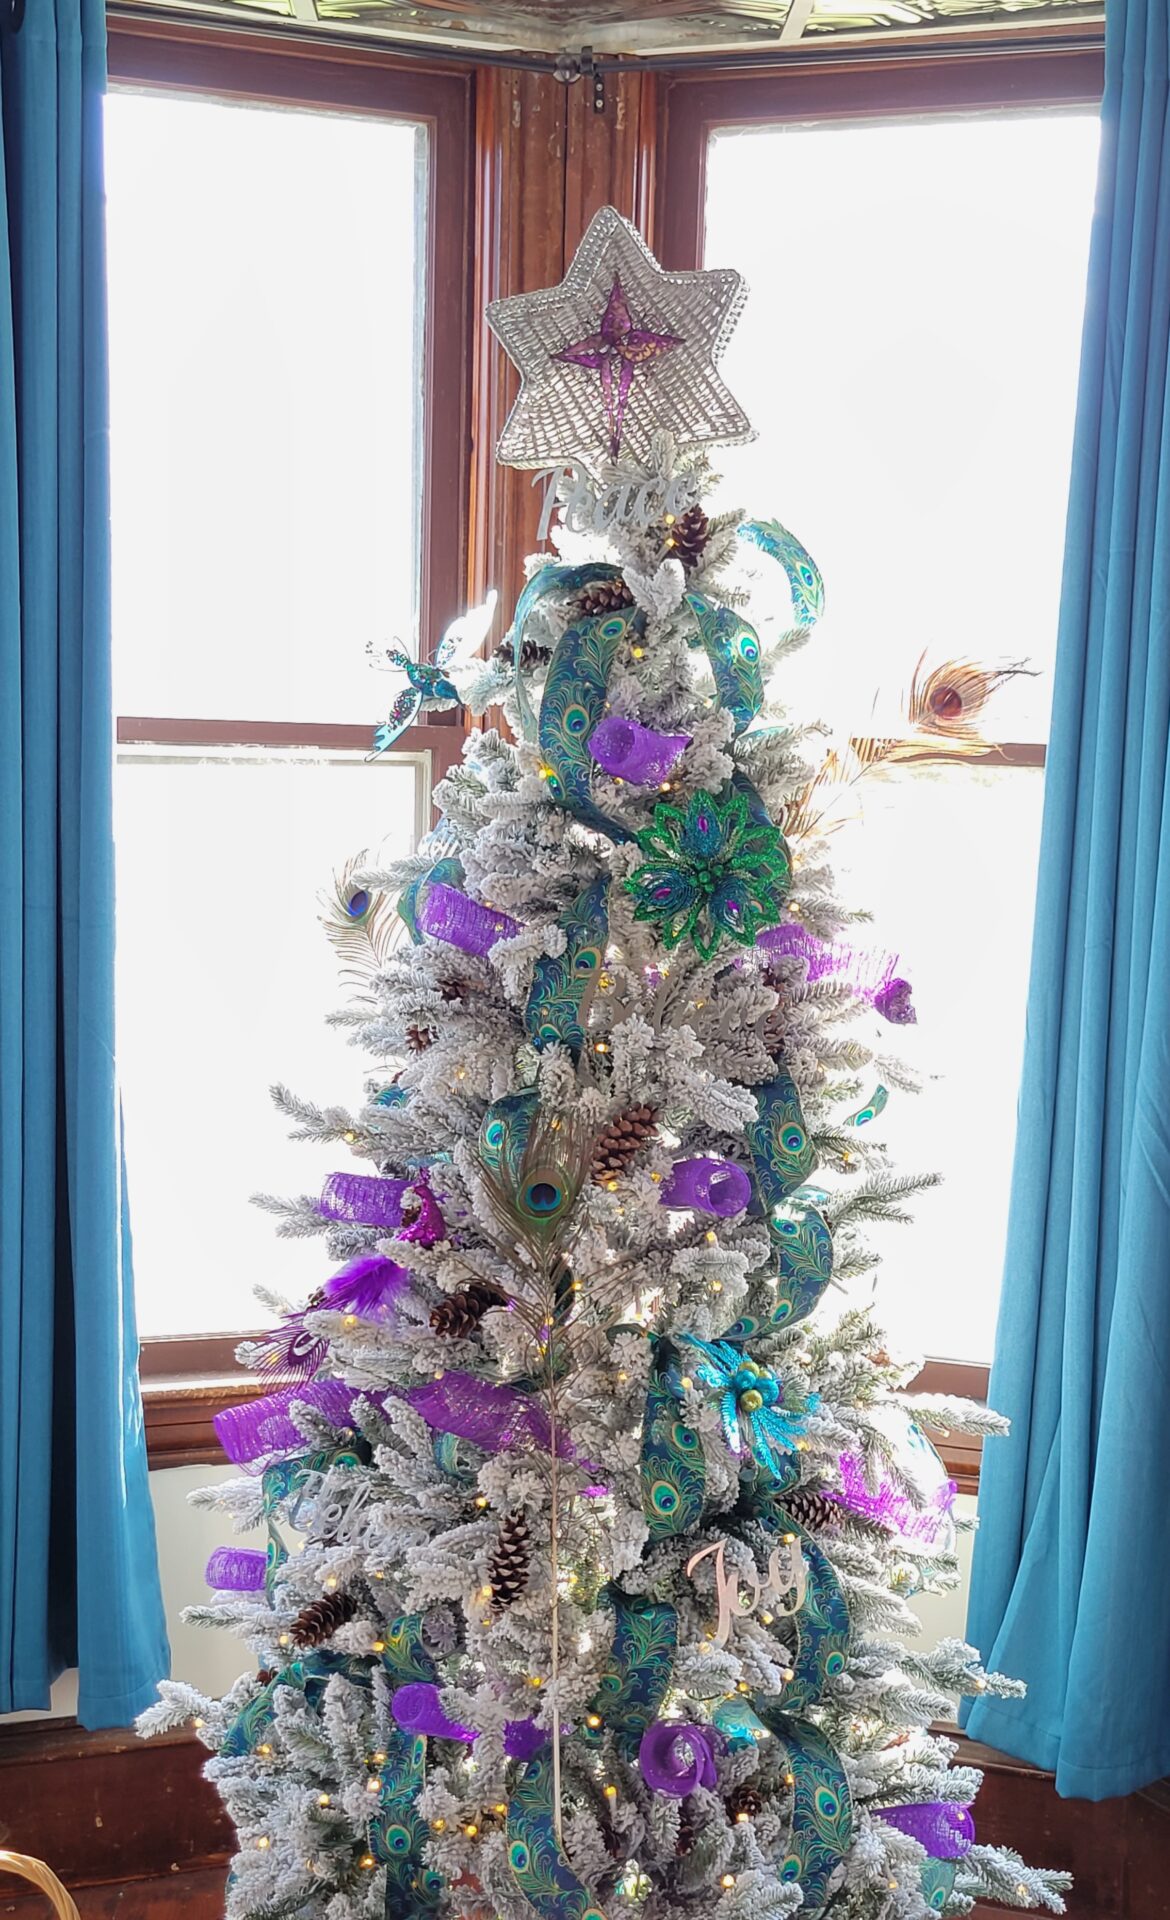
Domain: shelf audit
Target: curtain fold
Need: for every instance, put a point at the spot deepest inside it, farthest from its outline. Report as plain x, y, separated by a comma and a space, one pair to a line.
78, 1574
1071, 1581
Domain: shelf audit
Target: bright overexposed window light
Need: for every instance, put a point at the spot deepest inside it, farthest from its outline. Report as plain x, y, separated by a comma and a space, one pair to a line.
909, 357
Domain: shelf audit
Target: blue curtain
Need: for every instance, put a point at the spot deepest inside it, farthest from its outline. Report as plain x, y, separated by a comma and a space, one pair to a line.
78, 1575
1071, 1585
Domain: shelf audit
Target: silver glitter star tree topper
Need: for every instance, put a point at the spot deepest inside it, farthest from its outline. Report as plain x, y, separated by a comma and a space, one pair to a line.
619, 351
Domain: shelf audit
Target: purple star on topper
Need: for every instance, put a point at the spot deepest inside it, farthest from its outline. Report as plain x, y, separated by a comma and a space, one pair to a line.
617, 339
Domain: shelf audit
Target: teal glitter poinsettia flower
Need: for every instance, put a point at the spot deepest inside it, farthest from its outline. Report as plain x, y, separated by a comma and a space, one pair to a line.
714, 870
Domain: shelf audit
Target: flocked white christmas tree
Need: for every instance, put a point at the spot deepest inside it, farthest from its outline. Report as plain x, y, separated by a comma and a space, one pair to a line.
610, 1503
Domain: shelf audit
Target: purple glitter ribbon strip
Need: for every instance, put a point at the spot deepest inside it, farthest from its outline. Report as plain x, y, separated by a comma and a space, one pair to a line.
890, 1507
261, 1429
712, 1186
236, 1570
873, 975
944, 1827
363, 1198
676, 1757
630, 751
462, 922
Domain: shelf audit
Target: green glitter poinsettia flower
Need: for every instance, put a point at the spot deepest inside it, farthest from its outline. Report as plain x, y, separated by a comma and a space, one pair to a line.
713, 870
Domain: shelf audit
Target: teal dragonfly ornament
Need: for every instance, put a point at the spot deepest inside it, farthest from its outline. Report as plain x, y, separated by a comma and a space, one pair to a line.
428, 683
712, 872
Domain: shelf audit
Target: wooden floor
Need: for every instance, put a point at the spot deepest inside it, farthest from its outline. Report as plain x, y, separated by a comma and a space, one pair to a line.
135, 1832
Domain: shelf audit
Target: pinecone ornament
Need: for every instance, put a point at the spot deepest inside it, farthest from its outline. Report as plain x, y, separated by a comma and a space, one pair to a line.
458, 1316
687, 538
617, 1144
508, 1566
452, 989
744, 1802
418, 1039
532, 654
320, 1620
610, 596
688, 1831
811, 1508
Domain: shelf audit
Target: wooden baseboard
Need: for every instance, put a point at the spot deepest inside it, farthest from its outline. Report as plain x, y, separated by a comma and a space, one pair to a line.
136, 1833
130, 1826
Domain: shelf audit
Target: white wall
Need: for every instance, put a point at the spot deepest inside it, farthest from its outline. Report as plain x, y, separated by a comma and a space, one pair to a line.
210, 1660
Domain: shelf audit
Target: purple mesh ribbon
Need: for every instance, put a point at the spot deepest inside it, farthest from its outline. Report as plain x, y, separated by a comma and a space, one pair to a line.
892, 1508
943, 1827
873, 975
417, 1708
633, 752
491, 1417
676, 1757
259, 1429
236, 1570
712, 1186
452, 916
523, 1738
363, 1198
370, 1286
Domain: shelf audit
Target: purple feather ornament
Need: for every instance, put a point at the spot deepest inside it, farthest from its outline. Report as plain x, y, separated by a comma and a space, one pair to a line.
370, 1286
944, 1827
260, 1430
236, 1570
676, 1756
364, 1199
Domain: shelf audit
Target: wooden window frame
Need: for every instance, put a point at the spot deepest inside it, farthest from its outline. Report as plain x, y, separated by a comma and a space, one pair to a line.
185, 1381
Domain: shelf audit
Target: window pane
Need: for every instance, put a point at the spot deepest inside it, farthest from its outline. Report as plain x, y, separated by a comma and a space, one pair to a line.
265, 317
225, 979
946, 858
909, 356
